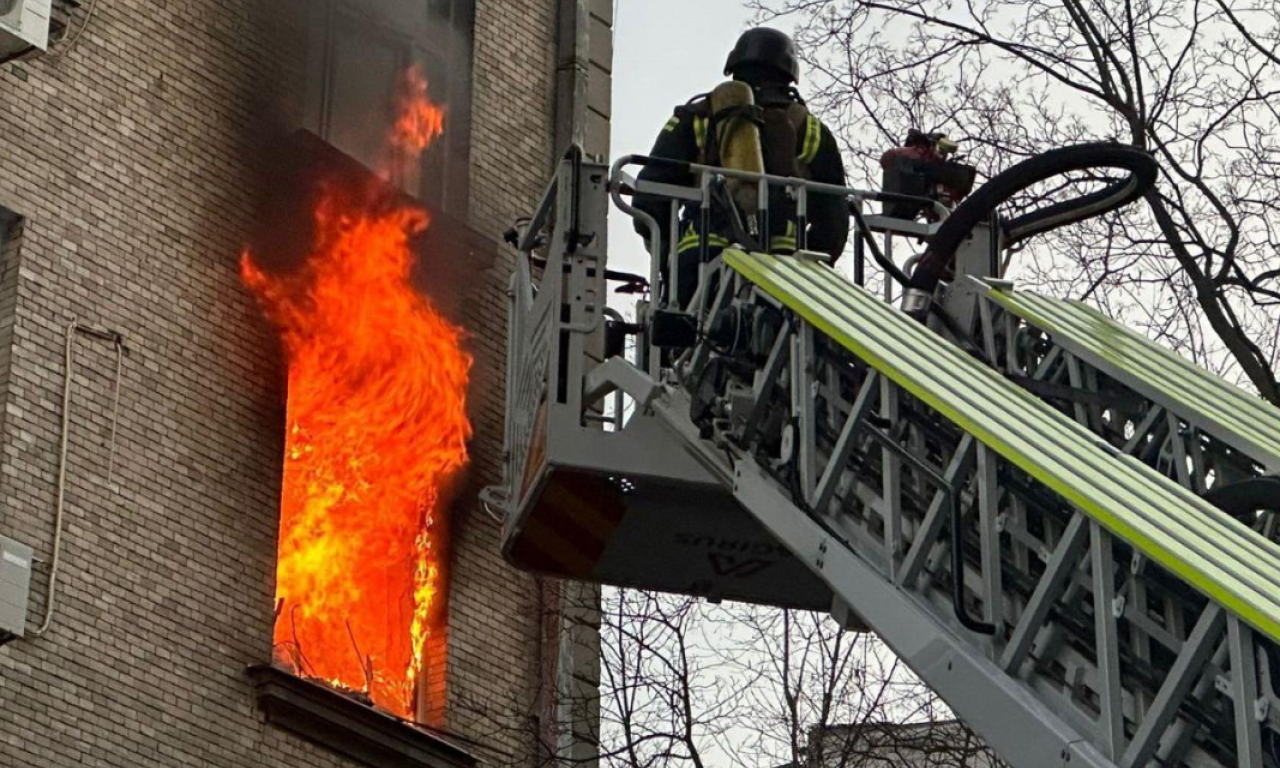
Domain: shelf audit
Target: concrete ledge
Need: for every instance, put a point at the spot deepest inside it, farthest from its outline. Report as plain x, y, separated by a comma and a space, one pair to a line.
347, 726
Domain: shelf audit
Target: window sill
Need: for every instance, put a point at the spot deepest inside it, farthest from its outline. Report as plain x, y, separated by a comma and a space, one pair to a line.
347, 726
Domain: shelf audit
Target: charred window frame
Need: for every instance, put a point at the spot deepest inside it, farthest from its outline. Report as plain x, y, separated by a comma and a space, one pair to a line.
357, 51
12, 226
8, 228
11, 231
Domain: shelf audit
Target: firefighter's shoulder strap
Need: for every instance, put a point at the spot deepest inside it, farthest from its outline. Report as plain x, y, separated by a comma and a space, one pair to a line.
698, 110
807, 128
791, 136
811, 127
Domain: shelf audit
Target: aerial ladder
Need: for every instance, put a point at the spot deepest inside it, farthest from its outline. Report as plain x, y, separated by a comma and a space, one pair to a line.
1065, 530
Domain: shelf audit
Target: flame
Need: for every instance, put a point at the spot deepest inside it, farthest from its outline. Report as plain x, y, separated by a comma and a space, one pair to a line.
377, 426
420, 122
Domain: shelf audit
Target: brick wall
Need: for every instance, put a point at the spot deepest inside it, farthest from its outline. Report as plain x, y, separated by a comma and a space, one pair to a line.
496, 650
131, 160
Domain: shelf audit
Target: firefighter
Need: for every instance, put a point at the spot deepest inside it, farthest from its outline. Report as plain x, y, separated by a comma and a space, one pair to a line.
792, 141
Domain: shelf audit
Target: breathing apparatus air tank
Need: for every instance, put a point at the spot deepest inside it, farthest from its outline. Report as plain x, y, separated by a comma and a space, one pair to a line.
738, 140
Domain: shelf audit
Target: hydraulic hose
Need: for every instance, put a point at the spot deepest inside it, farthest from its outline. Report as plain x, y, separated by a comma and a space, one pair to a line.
979, 207
1245, 499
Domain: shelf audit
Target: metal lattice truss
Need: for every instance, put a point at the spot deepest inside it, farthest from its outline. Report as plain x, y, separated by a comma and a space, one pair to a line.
1185, 422
1119, 648
1022, 511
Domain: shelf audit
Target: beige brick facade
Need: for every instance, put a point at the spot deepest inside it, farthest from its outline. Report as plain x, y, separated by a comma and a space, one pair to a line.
131, 162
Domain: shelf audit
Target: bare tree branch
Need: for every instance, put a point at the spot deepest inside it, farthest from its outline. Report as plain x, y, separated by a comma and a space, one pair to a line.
1197, 82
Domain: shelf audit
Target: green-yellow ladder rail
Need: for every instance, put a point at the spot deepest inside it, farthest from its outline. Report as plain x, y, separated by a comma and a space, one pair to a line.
1237, 418
1218, 556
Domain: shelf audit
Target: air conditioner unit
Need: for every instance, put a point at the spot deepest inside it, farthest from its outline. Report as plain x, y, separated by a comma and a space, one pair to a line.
15, 587
24, 24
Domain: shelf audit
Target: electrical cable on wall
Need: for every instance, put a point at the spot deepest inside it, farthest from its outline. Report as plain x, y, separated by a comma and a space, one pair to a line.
115, 407
71, 44
64, 443
490, 497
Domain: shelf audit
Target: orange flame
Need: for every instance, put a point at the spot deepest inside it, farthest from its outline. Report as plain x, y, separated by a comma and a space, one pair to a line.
376, 428
420, 122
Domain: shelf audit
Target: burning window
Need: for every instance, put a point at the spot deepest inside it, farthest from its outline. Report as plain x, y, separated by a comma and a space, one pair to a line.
376, 429
358, 50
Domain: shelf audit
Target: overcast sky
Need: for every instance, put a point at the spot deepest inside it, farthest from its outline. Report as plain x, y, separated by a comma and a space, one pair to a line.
665, 52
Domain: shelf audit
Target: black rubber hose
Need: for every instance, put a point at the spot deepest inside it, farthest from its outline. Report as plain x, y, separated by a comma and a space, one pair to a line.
1245, 499
979, 207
